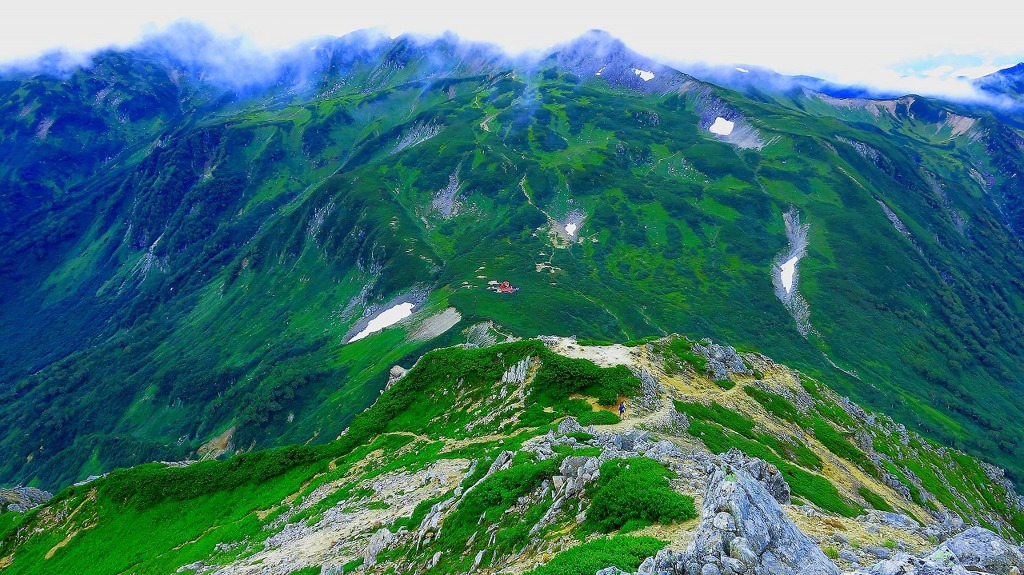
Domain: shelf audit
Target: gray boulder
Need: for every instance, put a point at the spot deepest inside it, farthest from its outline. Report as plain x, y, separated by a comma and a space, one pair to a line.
569, 425
978, 549
906, 564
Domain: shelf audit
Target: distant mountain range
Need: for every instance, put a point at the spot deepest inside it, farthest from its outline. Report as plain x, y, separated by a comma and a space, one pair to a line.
191, 238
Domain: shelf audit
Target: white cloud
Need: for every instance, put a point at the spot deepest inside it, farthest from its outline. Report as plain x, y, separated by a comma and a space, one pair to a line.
851, 42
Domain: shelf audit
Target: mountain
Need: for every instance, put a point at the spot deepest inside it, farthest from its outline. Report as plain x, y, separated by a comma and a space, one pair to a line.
1006, 82
192, 252
510, 459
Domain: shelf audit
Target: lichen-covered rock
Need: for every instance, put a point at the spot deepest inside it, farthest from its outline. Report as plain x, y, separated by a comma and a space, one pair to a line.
743, 530
978, 549
906, 564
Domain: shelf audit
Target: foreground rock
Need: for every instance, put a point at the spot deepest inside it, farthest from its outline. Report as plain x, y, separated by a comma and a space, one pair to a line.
976, 550
743, 530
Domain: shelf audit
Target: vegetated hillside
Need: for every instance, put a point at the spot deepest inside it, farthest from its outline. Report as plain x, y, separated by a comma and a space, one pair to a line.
190, 280
511, 458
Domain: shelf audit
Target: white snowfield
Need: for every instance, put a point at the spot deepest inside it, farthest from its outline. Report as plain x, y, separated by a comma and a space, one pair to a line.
387, 318
645, 75
722, 127
744, 70
788, 269
570, 229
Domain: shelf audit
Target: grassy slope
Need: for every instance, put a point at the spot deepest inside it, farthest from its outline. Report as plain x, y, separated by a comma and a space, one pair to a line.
155, 519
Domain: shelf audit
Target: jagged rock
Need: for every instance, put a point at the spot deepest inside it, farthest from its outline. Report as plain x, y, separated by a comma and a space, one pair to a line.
649, 398
501, 462
766, 473
516, 374
397, 372
741, 520
979, 549
569, 425
895, 519
662, 449
945, 526
476, 560
895, 484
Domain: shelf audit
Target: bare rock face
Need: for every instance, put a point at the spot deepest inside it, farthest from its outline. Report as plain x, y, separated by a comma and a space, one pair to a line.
978, 549
743, 531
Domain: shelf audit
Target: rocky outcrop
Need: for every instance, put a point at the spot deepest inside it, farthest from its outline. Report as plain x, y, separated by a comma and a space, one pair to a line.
21, 499
765, 473
743, 530
722, 359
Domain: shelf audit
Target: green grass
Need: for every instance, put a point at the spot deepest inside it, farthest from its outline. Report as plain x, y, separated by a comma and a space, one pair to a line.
873, 499
718, 414
775, 404
490, 498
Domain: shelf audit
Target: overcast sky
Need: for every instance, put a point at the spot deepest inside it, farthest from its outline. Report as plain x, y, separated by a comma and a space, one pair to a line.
913, 46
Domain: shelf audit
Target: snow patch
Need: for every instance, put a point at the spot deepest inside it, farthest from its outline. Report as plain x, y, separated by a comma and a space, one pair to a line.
788, 269
744, 70
645, 75
387, 318
601, 70
722, 127
571, 229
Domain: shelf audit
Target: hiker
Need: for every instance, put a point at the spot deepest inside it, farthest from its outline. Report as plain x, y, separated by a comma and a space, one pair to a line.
622, 409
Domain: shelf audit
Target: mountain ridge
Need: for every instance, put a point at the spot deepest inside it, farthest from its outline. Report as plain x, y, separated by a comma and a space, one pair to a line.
209, 276
500, 433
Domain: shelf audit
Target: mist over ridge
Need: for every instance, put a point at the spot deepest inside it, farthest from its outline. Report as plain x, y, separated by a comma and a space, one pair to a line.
235, 62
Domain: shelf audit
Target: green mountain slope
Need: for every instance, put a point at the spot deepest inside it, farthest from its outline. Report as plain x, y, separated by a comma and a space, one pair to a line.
193, 287
469, 461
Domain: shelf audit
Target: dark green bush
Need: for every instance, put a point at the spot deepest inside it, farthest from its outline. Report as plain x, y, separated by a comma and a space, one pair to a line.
561, 376
636, 489
598, 418
623, 552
